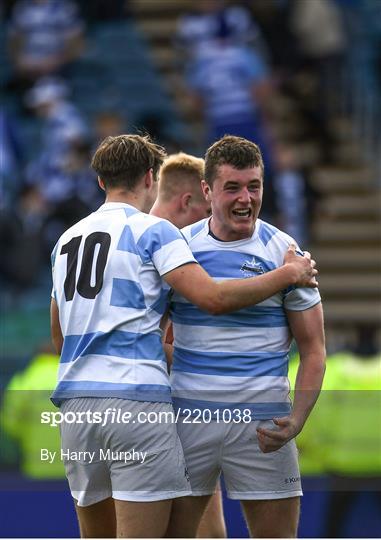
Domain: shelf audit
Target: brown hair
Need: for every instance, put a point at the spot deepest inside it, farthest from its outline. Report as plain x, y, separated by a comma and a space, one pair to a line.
124, 159
178, 172
230, 150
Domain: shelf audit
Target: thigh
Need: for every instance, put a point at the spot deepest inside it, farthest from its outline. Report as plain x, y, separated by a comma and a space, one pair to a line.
185, 516
276, 518
97, 520
142, 519
212, 524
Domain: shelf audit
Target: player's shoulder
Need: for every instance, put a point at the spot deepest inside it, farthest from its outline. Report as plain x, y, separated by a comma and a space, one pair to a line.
270, 236
147, 224
195, 230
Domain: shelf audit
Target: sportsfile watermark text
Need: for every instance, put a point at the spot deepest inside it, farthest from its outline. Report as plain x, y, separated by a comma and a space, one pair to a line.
113, 415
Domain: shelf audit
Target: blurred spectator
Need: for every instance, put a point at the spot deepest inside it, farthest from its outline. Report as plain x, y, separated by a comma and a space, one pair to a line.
64, 138
12, 158
319, 30
77, 193
26, 396
295, 199
196, 31
21, 242
352, 427
62, 121
44, 37
231, 84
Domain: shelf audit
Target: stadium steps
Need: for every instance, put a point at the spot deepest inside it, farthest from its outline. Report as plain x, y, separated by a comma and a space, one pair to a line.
345, 313
338, 285
350, 232
344, 181
353, 206
337, 261
347, 245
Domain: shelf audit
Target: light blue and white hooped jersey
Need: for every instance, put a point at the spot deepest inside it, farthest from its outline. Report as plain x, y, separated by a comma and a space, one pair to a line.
107, 283
237, 360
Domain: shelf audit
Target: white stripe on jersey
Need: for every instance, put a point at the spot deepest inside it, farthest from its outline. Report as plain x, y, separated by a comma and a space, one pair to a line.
130, 371
227, 389
222, 339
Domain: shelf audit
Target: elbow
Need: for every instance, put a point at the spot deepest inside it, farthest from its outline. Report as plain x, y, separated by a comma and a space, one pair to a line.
215, 306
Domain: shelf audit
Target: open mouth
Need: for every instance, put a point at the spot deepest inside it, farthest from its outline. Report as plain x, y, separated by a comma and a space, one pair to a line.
242, 212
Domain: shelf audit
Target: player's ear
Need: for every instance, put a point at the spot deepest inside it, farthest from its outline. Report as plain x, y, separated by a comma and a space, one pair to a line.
206, 190
101, 184
185, 200
149, 178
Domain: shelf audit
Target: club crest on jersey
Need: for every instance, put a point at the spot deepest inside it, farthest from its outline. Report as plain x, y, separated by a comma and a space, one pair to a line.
250, 268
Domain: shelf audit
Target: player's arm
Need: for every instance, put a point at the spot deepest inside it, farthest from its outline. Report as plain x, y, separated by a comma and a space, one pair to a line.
55, 327
192, 282
308, 330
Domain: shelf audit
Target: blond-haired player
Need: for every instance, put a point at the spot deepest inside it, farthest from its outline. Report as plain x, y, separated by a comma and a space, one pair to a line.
181, 201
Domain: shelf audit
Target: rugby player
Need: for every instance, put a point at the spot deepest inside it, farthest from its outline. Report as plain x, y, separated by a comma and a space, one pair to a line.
181, 201
230, 371
111, 275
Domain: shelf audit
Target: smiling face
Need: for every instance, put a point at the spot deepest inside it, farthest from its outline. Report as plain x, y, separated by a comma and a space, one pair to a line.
236, 199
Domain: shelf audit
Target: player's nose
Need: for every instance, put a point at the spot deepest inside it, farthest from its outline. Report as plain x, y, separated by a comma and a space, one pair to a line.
244, 195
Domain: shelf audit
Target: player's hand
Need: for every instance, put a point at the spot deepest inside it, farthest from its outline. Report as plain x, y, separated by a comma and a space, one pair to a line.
304, 267
284, 430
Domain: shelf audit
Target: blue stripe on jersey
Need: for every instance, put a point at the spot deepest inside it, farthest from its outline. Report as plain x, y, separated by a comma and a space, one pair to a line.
155, 237
116, 343
259, 411
197, 227
130, 211
127, 241
257, 316
228, 264
256, 364
266, 232
162, 303
127, 293
137, 392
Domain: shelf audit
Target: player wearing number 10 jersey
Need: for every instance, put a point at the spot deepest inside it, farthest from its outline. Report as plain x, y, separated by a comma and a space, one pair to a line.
111, 275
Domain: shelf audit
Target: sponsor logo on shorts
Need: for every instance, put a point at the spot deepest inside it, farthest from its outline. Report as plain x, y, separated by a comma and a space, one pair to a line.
292, 479
186, 474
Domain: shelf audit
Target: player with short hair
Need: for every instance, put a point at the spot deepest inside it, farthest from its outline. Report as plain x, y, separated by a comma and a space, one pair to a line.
230, 372
181, 201
111, 275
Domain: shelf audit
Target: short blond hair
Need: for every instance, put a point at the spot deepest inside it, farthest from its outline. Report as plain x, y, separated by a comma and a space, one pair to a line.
181, 172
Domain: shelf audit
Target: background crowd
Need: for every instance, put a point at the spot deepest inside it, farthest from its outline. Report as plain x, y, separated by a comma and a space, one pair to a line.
75, 72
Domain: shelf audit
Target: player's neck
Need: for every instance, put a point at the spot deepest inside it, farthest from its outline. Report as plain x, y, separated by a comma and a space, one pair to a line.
126, 197
162, 210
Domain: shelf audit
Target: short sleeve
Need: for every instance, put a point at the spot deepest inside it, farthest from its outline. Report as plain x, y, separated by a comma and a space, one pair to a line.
164, 246
300, 299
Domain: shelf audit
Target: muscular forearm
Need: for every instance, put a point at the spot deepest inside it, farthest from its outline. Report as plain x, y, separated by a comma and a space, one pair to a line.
307, 387
236, 294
